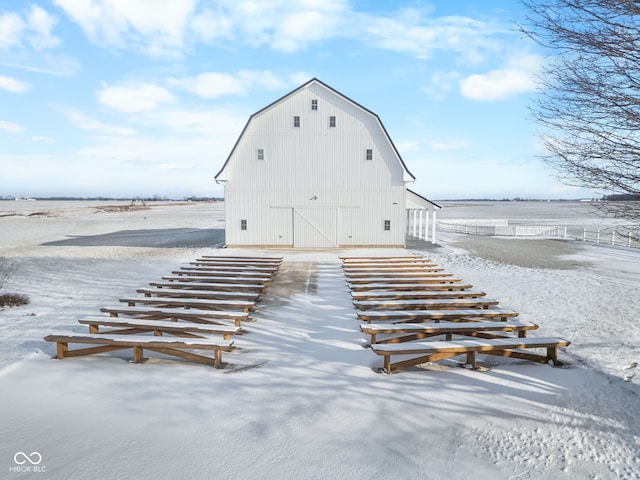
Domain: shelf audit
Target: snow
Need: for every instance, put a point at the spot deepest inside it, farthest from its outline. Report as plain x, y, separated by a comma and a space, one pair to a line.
303, 399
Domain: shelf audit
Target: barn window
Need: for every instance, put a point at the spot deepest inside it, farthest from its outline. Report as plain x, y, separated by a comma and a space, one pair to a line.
314, 104
260, 154
369, 154
243, 224
387, 224
296, 121
332, 121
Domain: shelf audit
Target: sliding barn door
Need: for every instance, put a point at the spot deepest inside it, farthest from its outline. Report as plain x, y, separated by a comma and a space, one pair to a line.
315, 227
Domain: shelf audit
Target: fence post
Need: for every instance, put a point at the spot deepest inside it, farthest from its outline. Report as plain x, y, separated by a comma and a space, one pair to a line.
584, 234
613, 237
598, 236
565, 232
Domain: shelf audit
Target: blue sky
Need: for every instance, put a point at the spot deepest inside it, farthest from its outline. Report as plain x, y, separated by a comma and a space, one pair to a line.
146, 97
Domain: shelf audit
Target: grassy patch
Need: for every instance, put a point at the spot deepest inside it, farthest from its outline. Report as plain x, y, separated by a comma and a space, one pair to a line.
9, 299
13, 300
120, 208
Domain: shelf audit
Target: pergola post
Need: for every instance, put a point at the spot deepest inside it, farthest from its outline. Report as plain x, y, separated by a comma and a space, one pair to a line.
415, 222
426, 224
433, 227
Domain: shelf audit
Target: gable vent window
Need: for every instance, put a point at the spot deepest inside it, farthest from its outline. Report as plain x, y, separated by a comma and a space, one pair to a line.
369, 154
296, 122
260, 154
243, 224
387, 225
332, 121
314, 104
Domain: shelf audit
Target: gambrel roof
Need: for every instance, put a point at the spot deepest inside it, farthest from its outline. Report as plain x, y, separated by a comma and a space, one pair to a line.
314, 82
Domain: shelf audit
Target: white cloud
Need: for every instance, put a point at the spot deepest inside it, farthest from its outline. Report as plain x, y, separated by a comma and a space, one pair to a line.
171, 28
82, 121
40, 26
211, 84
196, 122
155, 27
133, 98
37, 139
11, 28
440, 84
517, 77
11, 127
417, 32
216, 84
282, 24
35, 29
13, 85
299, 29
209, 25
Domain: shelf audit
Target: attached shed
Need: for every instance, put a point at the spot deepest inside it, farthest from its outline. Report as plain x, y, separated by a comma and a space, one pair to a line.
315, 169
421, 217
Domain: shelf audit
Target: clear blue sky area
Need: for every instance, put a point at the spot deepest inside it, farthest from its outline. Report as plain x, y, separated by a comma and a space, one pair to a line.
147, 97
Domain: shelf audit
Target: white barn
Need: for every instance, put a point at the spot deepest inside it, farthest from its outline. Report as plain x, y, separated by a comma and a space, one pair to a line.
315, 170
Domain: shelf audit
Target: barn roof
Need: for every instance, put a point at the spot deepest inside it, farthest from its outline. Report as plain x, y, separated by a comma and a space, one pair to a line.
415, 200
301, 87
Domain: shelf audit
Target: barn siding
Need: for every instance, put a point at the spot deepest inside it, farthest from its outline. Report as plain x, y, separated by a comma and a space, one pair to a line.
315, 172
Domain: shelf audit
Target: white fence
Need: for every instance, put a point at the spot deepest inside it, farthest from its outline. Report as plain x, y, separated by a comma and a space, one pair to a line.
627, 236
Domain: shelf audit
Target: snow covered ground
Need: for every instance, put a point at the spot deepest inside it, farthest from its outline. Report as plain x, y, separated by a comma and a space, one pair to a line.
302, 399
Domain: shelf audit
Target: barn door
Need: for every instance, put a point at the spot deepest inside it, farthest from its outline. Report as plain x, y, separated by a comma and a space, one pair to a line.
315, 227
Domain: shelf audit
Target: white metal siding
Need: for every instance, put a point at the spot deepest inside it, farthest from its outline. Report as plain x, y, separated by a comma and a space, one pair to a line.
318, 171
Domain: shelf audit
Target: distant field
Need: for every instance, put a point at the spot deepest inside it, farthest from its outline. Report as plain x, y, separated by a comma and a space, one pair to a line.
528, 213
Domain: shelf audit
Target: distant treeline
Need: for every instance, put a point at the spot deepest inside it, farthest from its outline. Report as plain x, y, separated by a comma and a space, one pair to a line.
121, 199
622, 197
518, 199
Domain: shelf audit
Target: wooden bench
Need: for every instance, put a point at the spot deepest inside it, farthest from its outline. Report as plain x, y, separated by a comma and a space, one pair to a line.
413, 316
202, 294
419, 274
398, 287
436, 279
415, 294
426, 304
222, 273
175, 314
236, 258
420, 262
392, 269
433, 351
416, 331
381, 259
173, 346
190, 303
271, 268
231, 280
127, 326
222, 287
231, 268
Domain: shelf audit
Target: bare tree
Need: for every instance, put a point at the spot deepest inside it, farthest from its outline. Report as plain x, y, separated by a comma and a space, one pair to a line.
589, 105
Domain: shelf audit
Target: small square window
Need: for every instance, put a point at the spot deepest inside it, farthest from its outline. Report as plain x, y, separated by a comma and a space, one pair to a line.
296, 122
260, 154
369, 154
387, 225
243, 224
332, 121
314, 104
